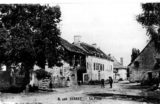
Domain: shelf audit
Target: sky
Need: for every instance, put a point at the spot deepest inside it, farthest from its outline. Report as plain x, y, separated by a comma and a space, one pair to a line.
111, 24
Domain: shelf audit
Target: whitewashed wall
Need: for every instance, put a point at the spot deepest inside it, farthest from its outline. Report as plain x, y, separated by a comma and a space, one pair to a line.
122, 73
93, 74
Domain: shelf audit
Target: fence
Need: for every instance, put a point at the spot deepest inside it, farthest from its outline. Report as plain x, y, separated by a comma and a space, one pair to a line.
44, 84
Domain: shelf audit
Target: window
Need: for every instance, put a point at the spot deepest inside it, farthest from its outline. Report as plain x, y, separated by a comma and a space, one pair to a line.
136, 64
103, 67
97, 67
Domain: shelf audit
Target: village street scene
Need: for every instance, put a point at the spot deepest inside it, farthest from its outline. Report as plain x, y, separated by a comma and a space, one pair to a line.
80, 52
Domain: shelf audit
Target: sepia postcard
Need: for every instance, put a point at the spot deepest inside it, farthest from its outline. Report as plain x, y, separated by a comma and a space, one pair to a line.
79, 52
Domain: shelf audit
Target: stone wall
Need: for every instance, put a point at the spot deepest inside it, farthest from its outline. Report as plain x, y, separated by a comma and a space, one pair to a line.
146, 60
60, 75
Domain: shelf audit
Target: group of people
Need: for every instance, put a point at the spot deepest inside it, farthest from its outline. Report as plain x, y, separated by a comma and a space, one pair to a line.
103, 82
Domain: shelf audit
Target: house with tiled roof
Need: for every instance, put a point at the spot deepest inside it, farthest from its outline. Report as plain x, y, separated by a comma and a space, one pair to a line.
73, 65
81, 63
71, 47
98, 64
120, 71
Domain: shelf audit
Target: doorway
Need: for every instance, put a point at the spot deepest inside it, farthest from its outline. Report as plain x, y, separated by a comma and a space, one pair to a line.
150, 75
99, 75
79, 75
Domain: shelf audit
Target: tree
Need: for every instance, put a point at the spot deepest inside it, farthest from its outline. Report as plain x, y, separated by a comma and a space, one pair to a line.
135, 53
30, 35
40, 74
150, 19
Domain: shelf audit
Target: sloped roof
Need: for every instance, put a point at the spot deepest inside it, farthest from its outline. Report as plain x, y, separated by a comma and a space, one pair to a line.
141, 52
117, 64
85, 49
71, 47
91, 50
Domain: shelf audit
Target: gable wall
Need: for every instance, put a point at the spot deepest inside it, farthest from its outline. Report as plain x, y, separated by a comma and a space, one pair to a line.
146, 63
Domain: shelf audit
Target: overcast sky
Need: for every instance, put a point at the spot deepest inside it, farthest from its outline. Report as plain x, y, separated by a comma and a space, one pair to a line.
109, 23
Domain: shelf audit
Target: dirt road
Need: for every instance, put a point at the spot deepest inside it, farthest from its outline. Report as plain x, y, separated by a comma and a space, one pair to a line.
121, 93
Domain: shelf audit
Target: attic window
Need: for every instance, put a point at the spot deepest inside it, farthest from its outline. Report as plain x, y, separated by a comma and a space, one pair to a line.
136, 64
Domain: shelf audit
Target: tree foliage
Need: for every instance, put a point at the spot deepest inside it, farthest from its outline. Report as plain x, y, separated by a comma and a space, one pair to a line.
41, 74
135, 53
29, 35
32, 34
150, 19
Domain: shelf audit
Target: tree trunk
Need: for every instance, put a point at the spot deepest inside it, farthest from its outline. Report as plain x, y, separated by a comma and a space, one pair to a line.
8, 69
27, 69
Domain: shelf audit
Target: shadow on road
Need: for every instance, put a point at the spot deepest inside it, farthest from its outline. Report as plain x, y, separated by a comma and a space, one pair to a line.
126, 97
136, 87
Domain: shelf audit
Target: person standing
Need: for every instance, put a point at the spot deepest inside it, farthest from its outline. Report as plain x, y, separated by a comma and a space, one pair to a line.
68, 82
110, 81
102, 83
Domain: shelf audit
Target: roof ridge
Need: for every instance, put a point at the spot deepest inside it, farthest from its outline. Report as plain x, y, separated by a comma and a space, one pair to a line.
95, 51
85, 48
71, 47
117, 61
88, 44
141, 52
79, 47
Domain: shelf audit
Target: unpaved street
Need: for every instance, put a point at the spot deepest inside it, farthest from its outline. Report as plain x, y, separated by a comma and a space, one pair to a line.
86, 94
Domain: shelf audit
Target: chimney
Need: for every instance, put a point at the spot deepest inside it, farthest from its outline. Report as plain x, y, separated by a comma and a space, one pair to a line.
77, 39
94, 45
121, 60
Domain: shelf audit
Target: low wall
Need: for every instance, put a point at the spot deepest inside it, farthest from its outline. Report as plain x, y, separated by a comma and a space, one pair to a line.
5, 80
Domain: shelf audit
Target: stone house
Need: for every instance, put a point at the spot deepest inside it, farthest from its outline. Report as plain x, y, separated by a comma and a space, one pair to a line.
98, 64
73, 66
144, 67
120, 71
82, 62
